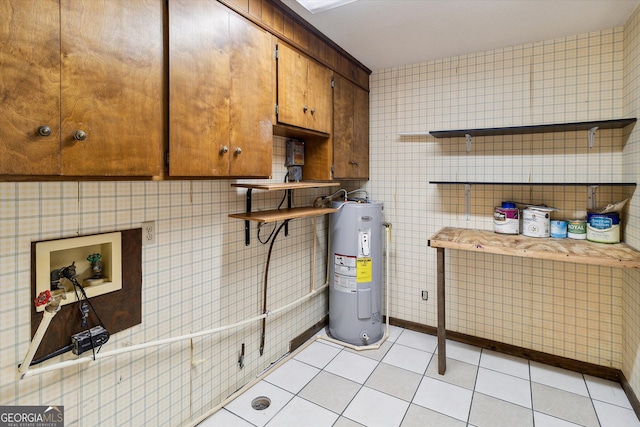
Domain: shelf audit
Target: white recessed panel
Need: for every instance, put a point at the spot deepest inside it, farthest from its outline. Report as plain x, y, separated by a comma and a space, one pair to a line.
57, 254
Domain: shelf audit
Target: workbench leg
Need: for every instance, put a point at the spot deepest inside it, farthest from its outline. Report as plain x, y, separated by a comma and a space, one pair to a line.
442, 332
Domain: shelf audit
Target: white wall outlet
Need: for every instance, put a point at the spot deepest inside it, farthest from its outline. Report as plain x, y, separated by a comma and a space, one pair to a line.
424, 295
148, 233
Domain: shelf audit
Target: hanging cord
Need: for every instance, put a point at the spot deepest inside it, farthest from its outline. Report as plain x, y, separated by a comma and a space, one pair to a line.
264, 294
70, 274
261, 224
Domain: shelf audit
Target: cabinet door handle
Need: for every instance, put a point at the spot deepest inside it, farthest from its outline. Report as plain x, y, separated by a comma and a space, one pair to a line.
224, 149
305, 108
80, 135
238, 150
351, 162
44, 131
313, 110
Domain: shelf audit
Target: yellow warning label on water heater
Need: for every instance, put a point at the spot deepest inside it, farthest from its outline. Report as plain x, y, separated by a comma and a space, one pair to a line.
364, 271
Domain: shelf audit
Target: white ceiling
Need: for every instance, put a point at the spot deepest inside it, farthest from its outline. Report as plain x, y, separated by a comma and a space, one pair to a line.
388, 33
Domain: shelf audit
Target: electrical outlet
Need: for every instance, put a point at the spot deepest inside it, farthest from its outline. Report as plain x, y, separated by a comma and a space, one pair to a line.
424, 295
148, 233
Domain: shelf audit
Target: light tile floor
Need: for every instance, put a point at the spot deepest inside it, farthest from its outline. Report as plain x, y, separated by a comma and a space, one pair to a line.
398, 385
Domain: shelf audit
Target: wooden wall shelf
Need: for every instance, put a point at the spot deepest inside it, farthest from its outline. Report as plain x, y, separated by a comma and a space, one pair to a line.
279, 214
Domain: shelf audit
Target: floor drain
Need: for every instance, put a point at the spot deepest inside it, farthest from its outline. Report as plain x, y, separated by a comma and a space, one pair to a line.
260, 403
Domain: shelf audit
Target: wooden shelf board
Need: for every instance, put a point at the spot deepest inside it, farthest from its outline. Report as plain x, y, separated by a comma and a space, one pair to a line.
270, 186
617, 255
520, 130
575, 184
282, 214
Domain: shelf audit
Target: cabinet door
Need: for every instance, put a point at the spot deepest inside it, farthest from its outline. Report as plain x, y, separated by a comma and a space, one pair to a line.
319, 97
361, 132
112, 86
350, 130
29, 87
292, 87
199, 88
343, 130
251, 100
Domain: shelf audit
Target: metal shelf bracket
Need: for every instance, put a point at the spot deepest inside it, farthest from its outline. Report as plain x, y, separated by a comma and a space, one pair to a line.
467, 201
247, 224
591, 135
591, 197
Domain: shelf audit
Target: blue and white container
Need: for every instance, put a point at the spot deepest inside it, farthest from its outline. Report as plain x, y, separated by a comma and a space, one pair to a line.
558, 228
603, 227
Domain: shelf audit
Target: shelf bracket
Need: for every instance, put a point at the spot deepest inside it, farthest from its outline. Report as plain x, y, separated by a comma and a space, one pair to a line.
247, 224
591, 135
591, 197
468, 138
467, 201
289, 205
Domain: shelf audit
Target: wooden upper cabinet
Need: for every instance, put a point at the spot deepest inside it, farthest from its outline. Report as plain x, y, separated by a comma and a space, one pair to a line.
350, 130
81, 84
30, 87
304, 91
111, 85
220, 92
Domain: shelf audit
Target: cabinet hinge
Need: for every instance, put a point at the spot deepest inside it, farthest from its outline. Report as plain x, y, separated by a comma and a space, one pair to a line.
332, 169
275, 54
276, 110
166, 159
332, 83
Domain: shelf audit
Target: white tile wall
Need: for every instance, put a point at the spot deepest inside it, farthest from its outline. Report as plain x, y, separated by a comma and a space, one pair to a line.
198, 276
559, 308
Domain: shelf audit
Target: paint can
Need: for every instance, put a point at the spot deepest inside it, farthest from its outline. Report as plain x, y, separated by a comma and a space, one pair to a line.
559, 229
577, 229
535, 221
603, 227
506, 219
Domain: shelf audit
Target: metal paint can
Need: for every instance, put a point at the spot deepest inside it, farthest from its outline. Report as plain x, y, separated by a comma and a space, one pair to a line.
559, 229
506, 219
536, 221
577, 229
603, 228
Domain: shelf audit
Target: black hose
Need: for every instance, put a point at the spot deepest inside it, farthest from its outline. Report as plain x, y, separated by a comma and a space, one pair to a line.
264, 294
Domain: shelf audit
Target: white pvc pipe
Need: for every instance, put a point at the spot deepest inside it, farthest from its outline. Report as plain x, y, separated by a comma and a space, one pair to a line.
26, 372
48, 314
157, 343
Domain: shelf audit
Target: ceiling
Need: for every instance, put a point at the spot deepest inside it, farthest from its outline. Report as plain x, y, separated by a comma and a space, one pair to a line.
387, 33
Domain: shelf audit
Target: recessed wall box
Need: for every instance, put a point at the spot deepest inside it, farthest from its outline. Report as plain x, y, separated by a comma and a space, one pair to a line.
54, 255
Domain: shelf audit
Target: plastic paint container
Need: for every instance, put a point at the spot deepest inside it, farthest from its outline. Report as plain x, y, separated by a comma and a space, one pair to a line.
603, 228
577, 229
559, 229
535, 221
506, 219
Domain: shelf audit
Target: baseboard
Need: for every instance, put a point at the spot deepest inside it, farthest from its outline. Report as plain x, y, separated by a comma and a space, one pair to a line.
304, 336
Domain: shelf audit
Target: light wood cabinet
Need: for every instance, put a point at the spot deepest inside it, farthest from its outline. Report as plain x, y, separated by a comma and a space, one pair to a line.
30, 87
81, 84
221, 92
350, 130
304, 91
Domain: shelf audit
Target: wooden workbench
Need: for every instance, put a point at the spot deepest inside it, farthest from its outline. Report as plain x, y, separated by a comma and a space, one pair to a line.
617, 255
